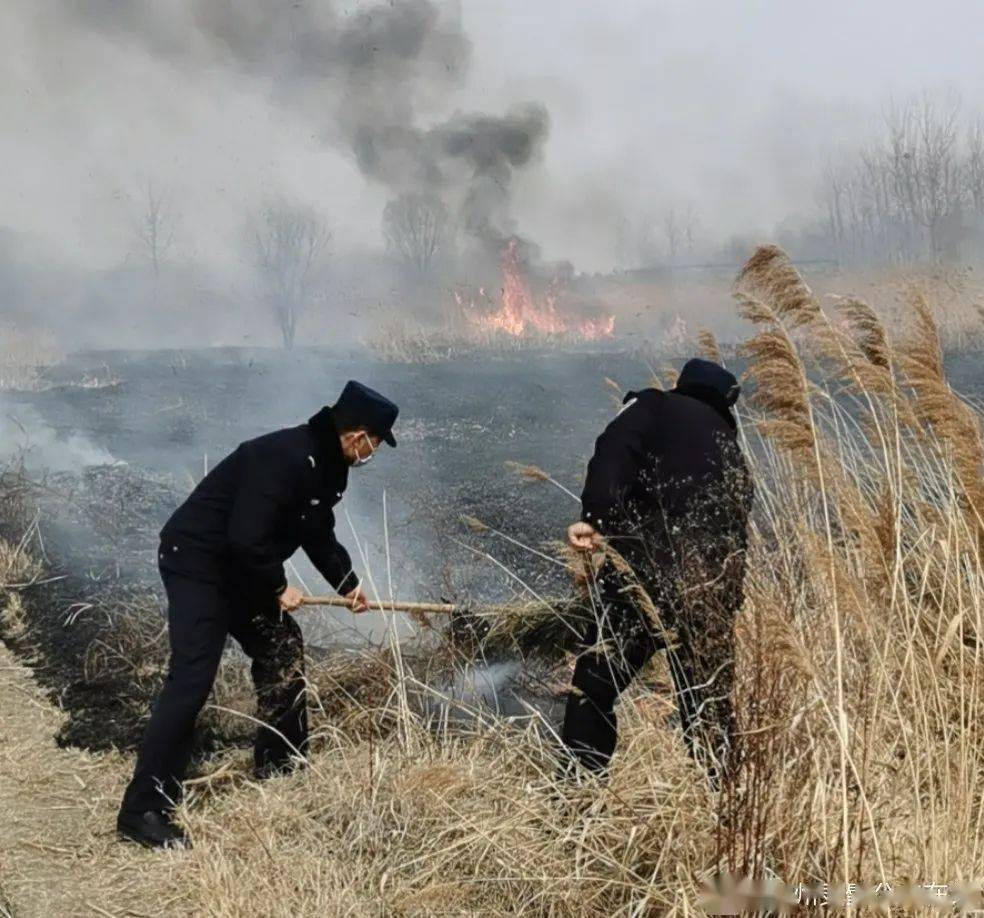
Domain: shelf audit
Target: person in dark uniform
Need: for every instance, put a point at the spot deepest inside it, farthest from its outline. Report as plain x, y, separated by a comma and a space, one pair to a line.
221, 558
667, 496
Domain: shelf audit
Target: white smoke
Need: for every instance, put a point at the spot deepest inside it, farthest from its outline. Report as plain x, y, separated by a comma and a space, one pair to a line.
25, 435
487, 691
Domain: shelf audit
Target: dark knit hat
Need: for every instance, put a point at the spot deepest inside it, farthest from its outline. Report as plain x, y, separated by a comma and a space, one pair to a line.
705, 374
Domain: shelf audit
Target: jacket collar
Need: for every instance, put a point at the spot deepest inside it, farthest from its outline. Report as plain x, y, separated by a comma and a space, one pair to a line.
328, 446
709, 396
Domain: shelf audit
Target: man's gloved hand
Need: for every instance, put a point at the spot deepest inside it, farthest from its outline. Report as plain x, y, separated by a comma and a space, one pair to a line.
582, 536
357, 600
290, 599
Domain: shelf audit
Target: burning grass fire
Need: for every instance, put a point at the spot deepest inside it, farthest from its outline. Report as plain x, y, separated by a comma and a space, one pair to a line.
670, 600
858, 685
521, 312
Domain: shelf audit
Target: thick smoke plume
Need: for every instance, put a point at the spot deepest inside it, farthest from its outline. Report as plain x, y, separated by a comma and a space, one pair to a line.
369, 81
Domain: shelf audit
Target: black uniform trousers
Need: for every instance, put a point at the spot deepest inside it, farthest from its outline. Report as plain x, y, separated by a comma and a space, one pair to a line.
618, 646
200, 617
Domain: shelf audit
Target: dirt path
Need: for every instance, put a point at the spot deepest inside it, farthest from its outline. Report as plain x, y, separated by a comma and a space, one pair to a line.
58, 851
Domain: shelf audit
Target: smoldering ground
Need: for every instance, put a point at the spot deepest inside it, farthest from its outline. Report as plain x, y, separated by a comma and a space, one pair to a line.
144, 141
173, 414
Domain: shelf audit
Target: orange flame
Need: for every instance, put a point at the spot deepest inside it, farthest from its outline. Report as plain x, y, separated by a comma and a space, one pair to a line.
520, 313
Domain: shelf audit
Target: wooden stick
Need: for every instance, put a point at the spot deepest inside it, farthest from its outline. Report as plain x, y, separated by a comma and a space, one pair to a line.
396, 605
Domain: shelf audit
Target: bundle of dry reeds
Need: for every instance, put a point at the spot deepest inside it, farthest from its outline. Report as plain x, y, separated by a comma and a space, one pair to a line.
542, 628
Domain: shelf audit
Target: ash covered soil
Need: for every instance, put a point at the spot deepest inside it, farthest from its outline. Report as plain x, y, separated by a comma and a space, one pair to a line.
171, 414
118, 452
115, 459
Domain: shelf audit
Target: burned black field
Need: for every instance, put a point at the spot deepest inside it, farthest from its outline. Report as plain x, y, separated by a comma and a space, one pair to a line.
114, 455
114, 441
171, 414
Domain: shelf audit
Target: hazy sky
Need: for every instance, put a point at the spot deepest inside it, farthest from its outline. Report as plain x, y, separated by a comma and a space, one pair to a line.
730, 107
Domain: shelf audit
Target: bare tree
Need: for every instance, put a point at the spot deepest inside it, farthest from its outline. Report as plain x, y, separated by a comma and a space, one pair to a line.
925, 168
673, 233
690, 226
646, 239
974, 169
287, 243
416, 226
155, 225
833, 199
873, 183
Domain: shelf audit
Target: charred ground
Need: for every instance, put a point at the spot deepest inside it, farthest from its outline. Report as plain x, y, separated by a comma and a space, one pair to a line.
95, 633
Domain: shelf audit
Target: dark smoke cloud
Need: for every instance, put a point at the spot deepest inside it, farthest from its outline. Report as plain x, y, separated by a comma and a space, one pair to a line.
473, 155
366, 80
493, 147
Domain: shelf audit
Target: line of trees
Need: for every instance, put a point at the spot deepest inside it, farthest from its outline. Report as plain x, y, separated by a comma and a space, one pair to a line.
287, 246
916, 193
668, 238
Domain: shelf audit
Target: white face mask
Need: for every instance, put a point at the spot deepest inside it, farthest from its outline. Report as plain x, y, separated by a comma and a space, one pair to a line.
362, 460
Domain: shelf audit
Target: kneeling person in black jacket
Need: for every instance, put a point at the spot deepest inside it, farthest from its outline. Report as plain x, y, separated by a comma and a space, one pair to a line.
669, 491
221, 558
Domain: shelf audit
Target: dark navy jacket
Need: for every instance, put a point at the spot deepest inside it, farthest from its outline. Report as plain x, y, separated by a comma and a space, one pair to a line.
268, 498
669, 467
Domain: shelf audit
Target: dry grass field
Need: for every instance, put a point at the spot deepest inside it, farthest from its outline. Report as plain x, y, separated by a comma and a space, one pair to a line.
665, 313
860, 698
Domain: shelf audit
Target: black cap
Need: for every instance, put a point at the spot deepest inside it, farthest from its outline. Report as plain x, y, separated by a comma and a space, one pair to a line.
709, 375
360, 406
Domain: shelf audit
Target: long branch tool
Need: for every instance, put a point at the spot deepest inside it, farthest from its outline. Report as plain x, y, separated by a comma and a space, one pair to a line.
544, 627
396, 605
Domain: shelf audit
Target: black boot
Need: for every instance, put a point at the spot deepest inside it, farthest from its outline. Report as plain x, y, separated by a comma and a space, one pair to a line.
152, 830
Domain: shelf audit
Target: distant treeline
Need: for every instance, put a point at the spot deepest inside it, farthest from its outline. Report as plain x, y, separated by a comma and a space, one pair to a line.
915, 193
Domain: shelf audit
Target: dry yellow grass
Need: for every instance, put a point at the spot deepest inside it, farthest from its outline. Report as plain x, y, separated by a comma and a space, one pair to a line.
860, 694
654, 316
58, 853
398, 339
